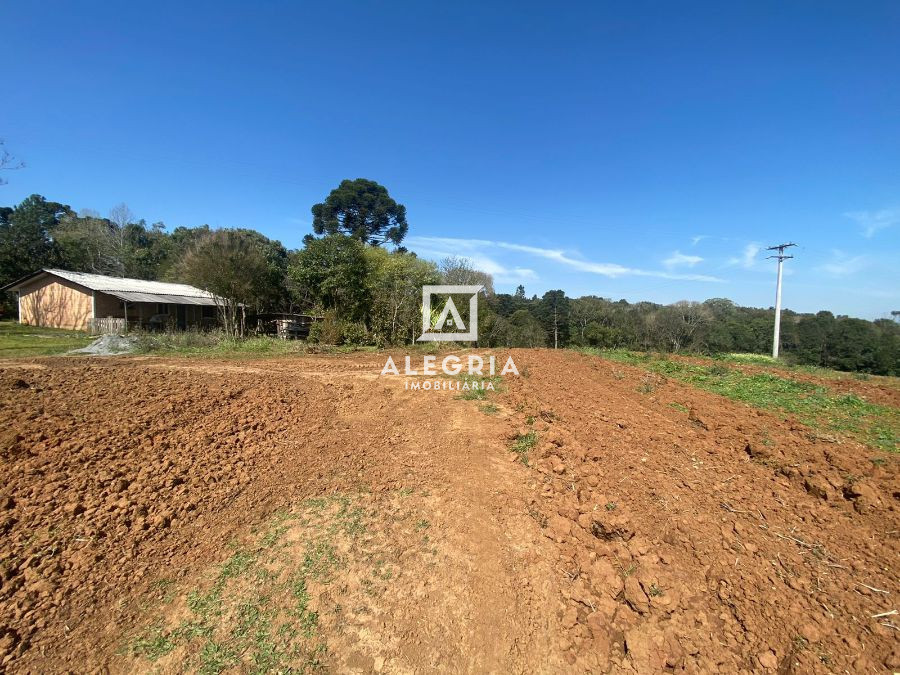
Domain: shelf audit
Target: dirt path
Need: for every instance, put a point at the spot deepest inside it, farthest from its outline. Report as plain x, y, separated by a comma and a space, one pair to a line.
180, 515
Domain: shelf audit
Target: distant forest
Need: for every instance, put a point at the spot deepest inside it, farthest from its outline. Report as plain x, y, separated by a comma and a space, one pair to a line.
369, 294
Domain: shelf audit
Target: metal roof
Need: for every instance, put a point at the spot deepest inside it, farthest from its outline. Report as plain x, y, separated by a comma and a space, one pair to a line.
130, 290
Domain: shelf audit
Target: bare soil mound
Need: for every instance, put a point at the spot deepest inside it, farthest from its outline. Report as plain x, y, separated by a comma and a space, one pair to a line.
132, 483
306, 513
702, 534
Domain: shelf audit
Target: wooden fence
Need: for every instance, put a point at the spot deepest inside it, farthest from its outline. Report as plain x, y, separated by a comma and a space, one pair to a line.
107, 326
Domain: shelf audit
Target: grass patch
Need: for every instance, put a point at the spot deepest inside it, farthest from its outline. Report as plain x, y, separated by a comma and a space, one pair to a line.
259, 609
215, 344
215, 658
17, 340
478, 387
154, 643
754, 359
257, 613
523, 444
814, 405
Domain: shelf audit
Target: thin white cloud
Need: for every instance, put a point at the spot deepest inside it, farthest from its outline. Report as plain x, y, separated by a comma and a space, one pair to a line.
747, 258
697, 239
500, 272
438, 248
606, 269
873, 221
843, 265
612, 270
678, 258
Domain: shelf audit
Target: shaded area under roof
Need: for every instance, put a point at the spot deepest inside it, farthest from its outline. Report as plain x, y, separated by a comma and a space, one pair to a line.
131, 296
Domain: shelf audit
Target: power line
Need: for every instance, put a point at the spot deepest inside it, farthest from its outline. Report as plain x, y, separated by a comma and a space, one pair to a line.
780, 257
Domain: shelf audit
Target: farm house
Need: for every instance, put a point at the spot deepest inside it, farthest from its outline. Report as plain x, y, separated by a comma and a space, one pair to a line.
74, 300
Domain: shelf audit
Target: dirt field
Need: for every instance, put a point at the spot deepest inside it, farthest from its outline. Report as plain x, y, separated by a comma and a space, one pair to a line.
177, 515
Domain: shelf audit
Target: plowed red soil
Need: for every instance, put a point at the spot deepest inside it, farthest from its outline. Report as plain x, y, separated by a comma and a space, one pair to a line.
633, 536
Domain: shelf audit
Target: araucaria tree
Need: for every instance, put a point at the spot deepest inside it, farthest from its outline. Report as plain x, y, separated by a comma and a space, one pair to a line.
361, 209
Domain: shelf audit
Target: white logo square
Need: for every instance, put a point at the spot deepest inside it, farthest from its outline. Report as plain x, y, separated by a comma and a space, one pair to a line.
449, 312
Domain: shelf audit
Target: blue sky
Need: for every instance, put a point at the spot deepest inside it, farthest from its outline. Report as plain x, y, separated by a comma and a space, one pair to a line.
637, 150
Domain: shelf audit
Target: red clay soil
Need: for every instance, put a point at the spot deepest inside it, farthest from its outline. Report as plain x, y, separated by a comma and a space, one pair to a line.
637, 538
720, 540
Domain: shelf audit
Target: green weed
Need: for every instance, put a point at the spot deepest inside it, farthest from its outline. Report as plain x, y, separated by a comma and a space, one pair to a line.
523, 445
153, 644
214, 658
478, 386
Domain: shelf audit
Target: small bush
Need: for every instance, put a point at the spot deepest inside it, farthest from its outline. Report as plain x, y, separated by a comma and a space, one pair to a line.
333, 331
355, 333
328, 331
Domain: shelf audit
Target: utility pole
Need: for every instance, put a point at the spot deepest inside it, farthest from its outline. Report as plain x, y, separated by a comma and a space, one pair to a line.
780, 257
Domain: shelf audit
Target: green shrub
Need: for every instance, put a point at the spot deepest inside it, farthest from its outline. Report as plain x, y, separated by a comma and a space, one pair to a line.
328, 331
333, 331
355, 333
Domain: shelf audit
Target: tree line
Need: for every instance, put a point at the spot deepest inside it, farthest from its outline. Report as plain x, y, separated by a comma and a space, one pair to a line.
355, 272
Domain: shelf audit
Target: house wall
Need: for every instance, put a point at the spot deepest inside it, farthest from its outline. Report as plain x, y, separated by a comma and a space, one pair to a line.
55, 303
106, 306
